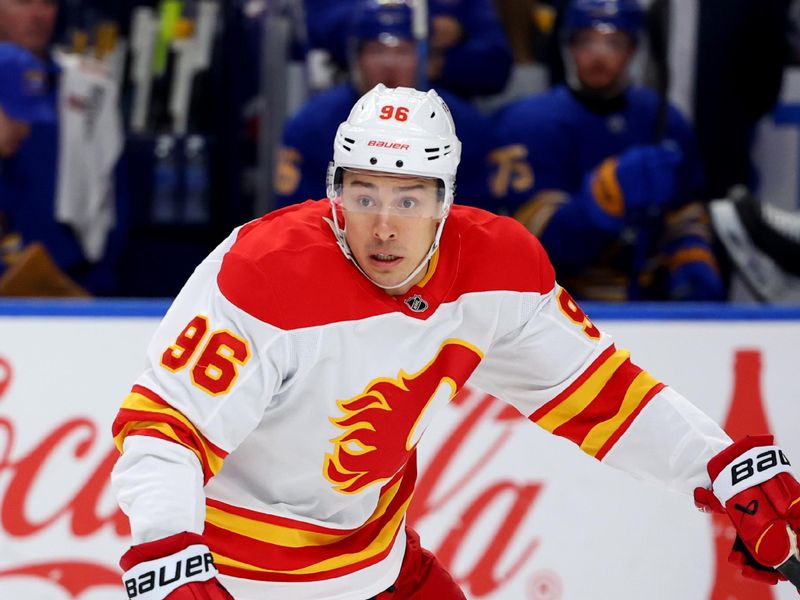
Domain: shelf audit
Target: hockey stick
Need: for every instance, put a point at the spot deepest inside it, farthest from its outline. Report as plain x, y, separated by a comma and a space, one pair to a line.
144, 28
658, 17
791, 566
420, 30
791, 570
193, 56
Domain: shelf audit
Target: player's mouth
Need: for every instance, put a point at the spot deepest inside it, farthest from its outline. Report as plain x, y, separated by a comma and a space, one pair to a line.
385, 259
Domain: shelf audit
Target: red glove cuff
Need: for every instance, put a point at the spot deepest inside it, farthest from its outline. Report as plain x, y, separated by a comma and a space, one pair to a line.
724, 458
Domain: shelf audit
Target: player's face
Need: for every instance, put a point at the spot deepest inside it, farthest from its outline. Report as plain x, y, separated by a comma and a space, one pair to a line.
12, 134
28, 23
390, 224
601, 57
392, 63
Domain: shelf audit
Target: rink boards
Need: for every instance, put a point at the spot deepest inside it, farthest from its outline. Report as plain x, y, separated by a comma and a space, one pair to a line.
514, 513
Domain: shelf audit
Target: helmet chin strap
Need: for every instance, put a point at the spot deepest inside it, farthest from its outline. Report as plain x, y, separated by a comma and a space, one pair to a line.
341, 241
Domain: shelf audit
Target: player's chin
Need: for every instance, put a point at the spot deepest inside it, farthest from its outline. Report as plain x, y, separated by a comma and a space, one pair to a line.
388, 276
599, 79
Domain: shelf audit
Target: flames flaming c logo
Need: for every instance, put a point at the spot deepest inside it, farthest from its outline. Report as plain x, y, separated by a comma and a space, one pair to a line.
383, 424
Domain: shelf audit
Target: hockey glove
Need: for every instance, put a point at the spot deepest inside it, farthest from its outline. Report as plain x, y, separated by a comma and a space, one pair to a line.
693, 272
178, 567
696, 281
638, 183
752, 483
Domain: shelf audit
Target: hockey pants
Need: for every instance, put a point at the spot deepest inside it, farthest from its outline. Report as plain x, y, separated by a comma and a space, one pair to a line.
422, 576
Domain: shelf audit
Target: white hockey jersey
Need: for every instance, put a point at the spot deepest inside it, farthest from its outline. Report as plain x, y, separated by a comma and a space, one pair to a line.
285, 395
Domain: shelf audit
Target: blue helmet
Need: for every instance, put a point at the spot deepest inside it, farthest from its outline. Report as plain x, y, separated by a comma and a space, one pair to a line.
382, 20
612, 15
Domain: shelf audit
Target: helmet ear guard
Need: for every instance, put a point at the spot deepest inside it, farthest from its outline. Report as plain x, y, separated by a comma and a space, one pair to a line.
333, 182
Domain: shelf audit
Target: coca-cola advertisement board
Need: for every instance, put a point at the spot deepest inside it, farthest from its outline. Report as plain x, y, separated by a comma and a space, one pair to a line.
514, 513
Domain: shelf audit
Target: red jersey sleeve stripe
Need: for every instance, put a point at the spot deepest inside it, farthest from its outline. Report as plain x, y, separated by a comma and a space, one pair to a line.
549, 406
618, 430
142, 414
169, 436
596, 409
602, 407
138, 400
579, 395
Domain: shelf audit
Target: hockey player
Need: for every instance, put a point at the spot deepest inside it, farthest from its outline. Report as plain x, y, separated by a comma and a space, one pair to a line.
269, 446
32, 180
382, 50
606, 174
25, 100
468, 50
29, 24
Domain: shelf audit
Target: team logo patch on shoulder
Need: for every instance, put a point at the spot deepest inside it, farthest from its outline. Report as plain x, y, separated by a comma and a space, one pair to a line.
416, 303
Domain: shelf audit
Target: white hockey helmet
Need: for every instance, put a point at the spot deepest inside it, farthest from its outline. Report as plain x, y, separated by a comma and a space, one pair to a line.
401, 131
404, 132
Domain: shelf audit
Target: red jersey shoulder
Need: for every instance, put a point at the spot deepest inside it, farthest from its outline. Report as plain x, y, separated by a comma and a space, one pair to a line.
285, 228
498, 253
287, 270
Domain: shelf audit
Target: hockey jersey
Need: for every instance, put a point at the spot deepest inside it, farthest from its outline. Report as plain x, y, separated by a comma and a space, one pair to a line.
285, 395
551, 142
561, 139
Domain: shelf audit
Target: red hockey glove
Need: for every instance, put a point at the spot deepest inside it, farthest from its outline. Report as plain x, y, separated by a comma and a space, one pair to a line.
753, 484
178, 567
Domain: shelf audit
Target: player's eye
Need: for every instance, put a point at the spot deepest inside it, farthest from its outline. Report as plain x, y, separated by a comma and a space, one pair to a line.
408, 203
365, 202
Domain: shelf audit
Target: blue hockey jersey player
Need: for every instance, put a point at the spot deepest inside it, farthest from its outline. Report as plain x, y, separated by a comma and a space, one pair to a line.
382, 50
606, 174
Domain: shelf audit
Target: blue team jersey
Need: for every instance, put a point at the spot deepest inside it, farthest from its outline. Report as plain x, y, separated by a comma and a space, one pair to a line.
307, 148
555, 143
562, 140
27, 196
28, 185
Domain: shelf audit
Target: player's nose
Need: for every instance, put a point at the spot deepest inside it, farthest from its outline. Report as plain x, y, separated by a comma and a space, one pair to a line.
383, 227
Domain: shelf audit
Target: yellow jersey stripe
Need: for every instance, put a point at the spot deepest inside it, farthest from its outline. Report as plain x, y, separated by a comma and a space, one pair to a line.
600, 433
583, 396
288, 536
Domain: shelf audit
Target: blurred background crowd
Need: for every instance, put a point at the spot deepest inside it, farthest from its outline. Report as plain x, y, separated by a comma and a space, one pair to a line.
651, 145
